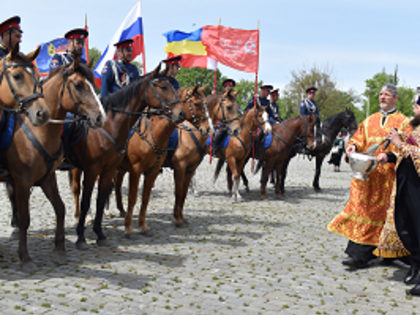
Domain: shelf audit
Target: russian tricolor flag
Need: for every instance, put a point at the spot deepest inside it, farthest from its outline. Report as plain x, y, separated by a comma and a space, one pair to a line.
131, 28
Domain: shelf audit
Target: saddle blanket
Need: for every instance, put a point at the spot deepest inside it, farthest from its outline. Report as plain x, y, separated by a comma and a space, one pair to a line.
223, 144
173, 139
268, 141
7, 127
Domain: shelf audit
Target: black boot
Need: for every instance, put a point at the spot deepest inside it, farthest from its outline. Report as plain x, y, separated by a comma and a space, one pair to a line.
414, 290
354, 263
218, 137
412, 272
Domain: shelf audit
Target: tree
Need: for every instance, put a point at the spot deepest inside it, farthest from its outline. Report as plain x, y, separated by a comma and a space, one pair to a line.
330, 100
246, 91
373, 89
95, 54
188, 77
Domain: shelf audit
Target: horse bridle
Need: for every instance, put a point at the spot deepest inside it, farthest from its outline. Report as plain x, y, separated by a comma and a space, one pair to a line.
203, 109
225, 121
260, 125
19, 102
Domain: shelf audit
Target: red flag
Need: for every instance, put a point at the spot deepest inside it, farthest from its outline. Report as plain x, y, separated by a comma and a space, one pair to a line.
235, 48
86, 41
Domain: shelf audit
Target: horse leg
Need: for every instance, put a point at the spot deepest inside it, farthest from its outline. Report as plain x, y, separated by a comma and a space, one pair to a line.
284, 170
264, 177
179, 179
149, 180
244, 178
88, 183
277, 173
134, 178
12, 198
22, 191
50, 189
104, 190
234, 173
229, 179
188, 176
74, 178
118, 180
318, 162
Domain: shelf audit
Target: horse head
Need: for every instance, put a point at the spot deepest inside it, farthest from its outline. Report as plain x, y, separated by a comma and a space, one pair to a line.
349, 121
307, 130
161, 95
258, 117
196, 109
77, 93
224, 107
20, 88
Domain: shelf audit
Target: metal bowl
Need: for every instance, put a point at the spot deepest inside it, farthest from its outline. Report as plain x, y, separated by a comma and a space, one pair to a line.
362, 164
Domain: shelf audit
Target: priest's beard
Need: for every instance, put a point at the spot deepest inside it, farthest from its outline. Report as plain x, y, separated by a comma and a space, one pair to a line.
415, 122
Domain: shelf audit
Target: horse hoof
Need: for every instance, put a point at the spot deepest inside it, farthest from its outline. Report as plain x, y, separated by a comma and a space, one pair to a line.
29, 267
181, 225
147, 233
263, 197
317, 189
122, 214
103, 242
247, 189
279, 196
60, 258
14, 236
82, 245
131, 236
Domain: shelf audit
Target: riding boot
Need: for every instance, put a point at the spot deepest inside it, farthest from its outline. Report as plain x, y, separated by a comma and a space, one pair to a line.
412, 272
217, 139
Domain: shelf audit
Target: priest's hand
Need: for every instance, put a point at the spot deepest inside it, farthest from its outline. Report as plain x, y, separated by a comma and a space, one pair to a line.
394, 137
382, 158
350, 149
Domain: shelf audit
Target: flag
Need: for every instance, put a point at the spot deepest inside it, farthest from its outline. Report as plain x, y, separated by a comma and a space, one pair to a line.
131, 28
235, 48
190, 47
48, 50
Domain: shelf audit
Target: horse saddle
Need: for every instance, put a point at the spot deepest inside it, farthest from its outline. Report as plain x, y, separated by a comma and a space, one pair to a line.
223, 143
7, 128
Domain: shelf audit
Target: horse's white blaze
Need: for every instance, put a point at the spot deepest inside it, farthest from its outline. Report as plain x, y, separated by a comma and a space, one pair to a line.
210, 123
98, 101
314, 136
267, 125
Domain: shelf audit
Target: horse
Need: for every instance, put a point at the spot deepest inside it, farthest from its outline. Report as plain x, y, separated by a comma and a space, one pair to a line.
324, 140
284, 135
147, 152
36, 152
239, 147
103, 150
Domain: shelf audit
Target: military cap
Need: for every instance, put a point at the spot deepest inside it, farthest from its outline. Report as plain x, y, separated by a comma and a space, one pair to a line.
311, 89
229, 82
78, 33
11, 23
274, 92
266, 87
173, 60
126, 43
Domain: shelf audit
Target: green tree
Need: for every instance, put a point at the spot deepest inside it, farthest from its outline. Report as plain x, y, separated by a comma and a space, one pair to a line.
246, 91
95, 54
188, 77
373, 89
330, 100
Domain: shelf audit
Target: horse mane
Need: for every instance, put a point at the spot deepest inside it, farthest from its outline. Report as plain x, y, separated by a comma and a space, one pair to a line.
333, 117
82, 69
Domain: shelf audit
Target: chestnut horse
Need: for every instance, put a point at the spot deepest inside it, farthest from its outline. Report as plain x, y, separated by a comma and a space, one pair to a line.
239, 147
147, 152
36, 152
324, 140
284, 135
103, 150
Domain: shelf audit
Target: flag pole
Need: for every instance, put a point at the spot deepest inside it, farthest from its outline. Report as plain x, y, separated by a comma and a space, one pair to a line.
255, 98
215, 70
86, 40
144, 48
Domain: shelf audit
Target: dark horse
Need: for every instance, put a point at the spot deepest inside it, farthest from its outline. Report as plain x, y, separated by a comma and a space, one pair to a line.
103, 150
36, 152
324, 140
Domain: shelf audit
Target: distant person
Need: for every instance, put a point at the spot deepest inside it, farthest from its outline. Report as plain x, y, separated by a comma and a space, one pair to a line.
229, 84
172, 68
263, 101
10, 33
308, 105
274, 97
337, 152
363, 217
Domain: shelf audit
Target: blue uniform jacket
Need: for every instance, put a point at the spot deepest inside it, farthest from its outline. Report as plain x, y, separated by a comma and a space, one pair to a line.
3, 51
110, 82
275, 109
266, 104
174, 83
308, 107
63, 58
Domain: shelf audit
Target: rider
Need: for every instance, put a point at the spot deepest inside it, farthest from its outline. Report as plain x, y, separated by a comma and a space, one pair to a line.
308, 105
75, 44
263, 101
228, 85
274, 96
120, 72
172, 69
10, 34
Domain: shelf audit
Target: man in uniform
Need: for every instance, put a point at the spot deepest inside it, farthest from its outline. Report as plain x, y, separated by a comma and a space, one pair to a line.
308, 105
75, 45
172, 69
229, 84
274, 97
263, 101
120, 72
10, 34
363, 217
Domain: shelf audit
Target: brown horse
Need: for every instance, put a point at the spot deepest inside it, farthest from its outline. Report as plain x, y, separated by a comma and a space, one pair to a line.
147, 152
103, 150
20, 90
239, 147
36, 152
284, 135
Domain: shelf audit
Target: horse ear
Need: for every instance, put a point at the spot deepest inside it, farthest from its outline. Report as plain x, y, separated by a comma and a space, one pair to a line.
155, 72
195, 88
13, 53
33, 54
234, 94
75, 63
90, 63
226, 94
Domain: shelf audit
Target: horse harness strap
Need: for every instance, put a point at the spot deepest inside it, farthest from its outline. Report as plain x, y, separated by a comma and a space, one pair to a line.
121, 150
49, 160
281, 139
197, 143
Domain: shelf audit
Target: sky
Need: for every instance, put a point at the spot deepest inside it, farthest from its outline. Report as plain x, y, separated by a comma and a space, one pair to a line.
354, 39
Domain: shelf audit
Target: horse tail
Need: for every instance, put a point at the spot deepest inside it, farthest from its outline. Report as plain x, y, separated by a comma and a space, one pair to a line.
218, 169
259, 165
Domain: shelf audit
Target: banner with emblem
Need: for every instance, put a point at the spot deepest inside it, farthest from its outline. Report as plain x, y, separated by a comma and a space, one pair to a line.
235, 48
48, 50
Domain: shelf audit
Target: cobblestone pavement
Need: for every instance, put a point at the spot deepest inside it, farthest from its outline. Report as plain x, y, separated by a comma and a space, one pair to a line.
252, 257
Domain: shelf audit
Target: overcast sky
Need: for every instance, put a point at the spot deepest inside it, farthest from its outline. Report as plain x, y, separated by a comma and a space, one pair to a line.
354, 38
